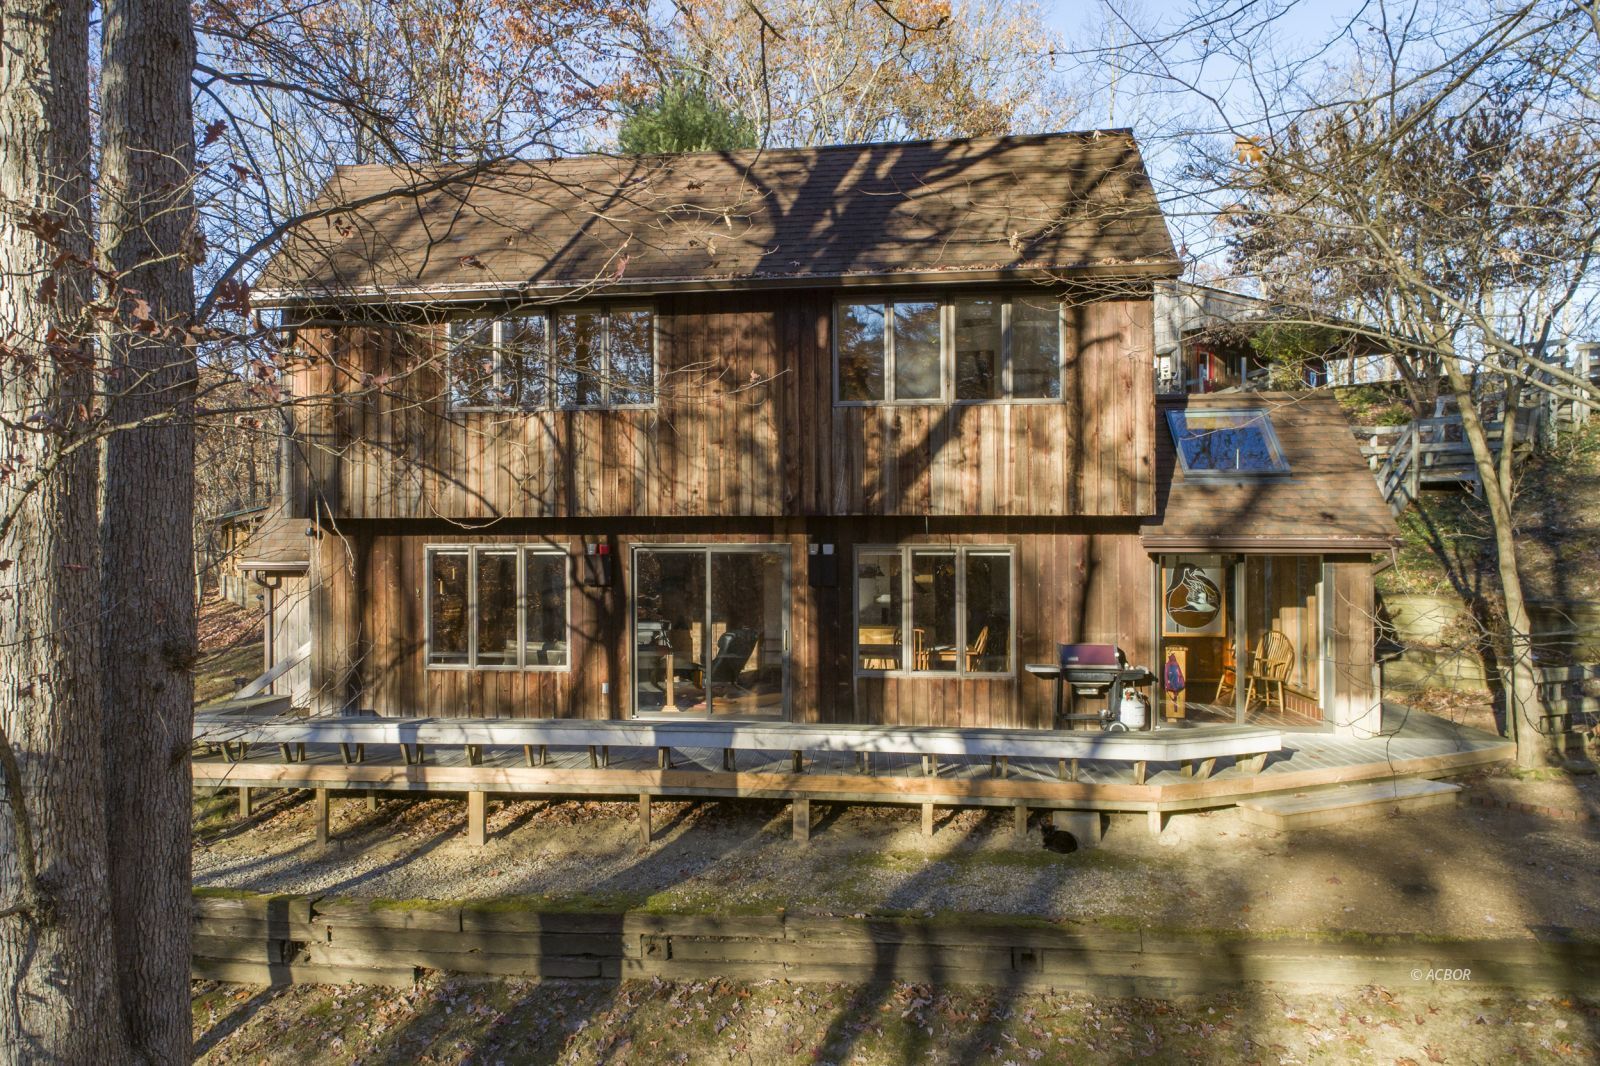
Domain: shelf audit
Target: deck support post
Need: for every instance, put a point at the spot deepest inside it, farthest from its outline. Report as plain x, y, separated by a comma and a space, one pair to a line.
245, 806
802, 819
605, 757
930, 766
1063, 772
474, 754
927, 819
1198, 769
544, 755
864, 762
1019, 823
663, 758
372, 799
319, 815
594, 758
1158, 821
527, 754
645, 831
797, 762
413, 754
477, 818
1252, 764
1140, 769
729, 761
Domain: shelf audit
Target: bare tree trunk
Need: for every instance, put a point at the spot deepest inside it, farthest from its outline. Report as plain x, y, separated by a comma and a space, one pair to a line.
148, 626
57, 988
1524, 708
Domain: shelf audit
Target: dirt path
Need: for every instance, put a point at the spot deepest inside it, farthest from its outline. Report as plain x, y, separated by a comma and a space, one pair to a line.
1471, 872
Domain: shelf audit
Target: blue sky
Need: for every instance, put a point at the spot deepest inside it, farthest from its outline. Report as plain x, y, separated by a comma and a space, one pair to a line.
1303, 22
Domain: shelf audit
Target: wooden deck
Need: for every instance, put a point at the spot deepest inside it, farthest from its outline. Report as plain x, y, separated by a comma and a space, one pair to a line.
1421, 746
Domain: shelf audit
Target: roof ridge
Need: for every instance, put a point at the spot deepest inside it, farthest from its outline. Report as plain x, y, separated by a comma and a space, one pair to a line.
1096, 133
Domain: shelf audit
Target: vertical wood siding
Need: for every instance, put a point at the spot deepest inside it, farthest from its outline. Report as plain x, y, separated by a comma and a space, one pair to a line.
745, 426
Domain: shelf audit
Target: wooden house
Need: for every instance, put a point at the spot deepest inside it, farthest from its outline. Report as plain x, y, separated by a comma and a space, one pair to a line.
842, 435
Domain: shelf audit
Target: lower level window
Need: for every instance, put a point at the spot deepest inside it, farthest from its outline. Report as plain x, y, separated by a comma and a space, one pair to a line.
934, 610
497, 606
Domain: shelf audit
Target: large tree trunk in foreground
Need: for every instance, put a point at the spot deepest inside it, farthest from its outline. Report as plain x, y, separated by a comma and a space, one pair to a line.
1524, 708
57, 987
149, 644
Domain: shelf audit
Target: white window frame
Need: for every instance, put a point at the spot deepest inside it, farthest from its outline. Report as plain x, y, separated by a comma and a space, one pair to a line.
499, 328
473, 551
963, 639
947, 356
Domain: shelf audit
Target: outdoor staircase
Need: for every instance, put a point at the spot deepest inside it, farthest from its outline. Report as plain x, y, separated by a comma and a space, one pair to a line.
1433, 453
1425, 453
1345, 803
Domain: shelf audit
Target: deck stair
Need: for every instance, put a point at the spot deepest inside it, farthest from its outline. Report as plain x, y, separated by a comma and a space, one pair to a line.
1345, 803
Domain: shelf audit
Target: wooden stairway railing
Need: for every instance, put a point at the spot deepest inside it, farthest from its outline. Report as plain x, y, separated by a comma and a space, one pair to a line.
1423, 453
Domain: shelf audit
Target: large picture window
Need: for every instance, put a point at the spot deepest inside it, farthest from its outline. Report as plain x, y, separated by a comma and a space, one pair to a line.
969, 349
497, 607
589, 356
934, 610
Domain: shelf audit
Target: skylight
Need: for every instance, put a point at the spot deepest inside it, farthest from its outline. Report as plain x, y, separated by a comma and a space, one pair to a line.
1227, 442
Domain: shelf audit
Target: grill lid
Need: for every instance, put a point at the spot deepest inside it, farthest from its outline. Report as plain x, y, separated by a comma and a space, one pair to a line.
1091, 656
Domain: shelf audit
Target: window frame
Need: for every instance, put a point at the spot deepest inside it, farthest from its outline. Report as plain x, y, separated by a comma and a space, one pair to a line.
1274, 444
963, 638
947, 361
523, 551
499, 322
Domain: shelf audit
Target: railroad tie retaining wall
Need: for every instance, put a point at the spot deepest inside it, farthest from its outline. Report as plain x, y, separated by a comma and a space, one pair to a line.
297, 939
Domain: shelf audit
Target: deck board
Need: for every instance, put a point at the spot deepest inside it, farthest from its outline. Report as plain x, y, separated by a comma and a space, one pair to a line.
1425, 747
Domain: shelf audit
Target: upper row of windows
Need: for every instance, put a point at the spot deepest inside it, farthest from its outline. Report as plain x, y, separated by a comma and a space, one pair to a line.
912, 350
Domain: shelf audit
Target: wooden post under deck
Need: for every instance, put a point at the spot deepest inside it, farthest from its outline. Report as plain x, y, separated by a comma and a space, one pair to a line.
477, 818
319, 815
927, 819
1019, 822
645, 831
245, 806
802, 820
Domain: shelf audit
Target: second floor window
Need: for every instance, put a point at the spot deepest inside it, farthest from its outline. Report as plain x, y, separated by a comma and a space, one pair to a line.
602, 356
962, 349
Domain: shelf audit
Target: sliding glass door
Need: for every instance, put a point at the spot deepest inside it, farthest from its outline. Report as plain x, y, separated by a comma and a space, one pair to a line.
711, 631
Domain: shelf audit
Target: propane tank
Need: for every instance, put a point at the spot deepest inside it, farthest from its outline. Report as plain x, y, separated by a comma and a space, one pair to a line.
1133, 712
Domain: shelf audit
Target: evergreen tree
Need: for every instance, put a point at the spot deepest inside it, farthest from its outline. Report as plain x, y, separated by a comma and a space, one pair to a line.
684, 117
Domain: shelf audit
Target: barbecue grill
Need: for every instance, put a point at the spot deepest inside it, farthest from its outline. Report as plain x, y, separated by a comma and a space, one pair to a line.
1091, 670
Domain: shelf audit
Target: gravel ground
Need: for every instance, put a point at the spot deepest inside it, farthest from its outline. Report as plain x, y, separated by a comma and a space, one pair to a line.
636, 1022
1470, 871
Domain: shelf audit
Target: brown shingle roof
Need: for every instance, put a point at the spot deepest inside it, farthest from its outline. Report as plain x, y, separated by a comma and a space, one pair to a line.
1067, 202
1329, 501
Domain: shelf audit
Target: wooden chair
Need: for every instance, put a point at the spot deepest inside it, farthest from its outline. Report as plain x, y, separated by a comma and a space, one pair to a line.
919, 650
975, 649
1269, 666
1228, 683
